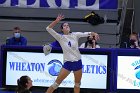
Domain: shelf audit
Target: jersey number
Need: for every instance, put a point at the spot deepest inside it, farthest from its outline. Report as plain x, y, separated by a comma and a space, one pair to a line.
69, 43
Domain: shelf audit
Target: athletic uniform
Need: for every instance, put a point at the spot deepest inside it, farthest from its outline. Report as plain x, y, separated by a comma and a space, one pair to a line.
69, 44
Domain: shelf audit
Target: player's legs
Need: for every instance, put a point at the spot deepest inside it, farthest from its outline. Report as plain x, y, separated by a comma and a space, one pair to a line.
77, 76
62, 75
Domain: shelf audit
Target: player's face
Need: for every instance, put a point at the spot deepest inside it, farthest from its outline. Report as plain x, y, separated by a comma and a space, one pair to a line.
66, 28
29, 84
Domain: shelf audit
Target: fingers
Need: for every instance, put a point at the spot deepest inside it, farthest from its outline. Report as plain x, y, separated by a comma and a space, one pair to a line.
60, 17
95, 35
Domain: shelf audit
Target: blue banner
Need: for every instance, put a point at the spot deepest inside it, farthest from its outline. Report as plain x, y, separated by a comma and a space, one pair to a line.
63, 4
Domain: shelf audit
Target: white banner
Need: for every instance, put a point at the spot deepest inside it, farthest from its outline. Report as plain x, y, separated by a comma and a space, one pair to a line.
63, 4
43, 70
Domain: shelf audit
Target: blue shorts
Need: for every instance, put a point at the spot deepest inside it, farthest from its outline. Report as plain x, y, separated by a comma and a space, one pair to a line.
73, 66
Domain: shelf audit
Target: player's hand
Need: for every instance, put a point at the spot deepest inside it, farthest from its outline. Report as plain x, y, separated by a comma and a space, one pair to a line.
95, 35
59, 17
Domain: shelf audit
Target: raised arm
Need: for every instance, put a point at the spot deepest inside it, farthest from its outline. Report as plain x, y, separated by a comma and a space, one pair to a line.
50, 27
59, 18
85, 34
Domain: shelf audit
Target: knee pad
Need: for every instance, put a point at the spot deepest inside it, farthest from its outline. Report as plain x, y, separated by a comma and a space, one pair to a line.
77, 84
55, 85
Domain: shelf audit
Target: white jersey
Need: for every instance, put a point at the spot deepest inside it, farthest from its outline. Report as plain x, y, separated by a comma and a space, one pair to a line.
69, 44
